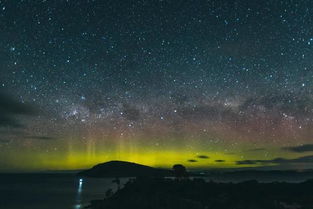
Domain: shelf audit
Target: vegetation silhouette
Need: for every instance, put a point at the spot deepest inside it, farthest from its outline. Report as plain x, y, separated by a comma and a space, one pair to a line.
117, 182
184, 193
165, 193
180, 171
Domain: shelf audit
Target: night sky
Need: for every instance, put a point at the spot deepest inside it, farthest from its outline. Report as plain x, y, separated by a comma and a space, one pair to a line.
208, 84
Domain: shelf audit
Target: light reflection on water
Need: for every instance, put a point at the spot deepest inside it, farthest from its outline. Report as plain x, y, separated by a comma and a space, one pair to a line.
78, 204
94, 188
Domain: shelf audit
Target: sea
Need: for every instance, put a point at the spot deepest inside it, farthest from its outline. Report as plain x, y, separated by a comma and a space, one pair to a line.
67, 191
51, 191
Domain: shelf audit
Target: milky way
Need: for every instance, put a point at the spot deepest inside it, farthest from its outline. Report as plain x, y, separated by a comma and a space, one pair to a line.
209, 84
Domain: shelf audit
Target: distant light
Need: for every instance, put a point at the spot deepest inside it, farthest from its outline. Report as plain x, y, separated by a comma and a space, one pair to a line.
80, 186
78, 206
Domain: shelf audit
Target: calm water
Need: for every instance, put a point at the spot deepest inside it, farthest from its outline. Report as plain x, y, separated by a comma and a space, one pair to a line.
65, 191
34, 191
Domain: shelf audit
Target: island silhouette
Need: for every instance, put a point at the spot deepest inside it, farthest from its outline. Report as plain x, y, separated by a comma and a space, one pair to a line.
124, 169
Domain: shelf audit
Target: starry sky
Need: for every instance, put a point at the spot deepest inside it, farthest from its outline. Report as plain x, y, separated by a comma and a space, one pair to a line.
208, 84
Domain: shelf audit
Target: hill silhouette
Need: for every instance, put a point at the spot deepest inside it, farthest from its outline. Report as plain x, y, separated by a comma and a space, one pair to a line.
157, 193
124, 169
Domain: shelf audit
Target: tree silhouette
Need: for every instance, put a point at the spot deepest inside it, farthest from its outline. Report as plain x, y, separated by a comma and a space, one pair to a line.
117, 182
179, 171
108, 193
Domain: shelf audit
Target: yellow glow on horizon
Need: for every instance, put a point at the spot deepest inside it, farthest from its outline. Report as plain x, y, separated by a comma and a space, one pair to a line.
73, 154
155, 158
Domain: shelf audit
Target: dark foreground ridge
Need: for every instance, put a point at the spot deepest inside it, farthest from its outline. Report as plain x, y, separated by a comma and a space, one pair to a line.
124, 169
151, 193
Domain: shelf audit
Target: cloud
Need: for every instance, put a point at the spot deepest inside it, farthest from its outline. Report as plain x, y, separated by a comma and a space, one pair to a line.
179, 99
305, 159
10, 108
219, 161
9, 121
275, 105
40, 137
130, 113
302, 148
192, 161
206, 112
268, 110
288, 103
203, 157
9, 105
3, 141
256, 149
246, 162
